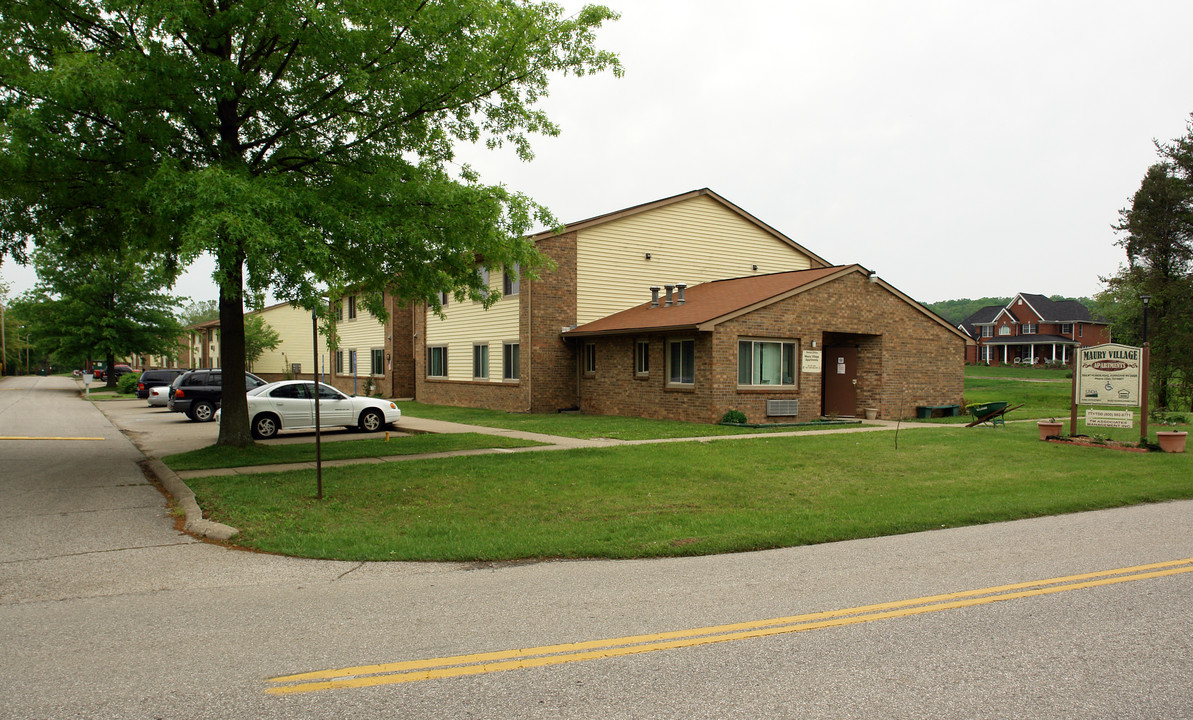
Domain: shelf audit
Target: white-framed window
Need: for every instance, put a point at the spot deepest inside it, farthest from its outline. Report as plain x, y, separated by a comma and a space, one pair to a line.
351, 307
766, 362
510, 361
681, 363
590, 359
1004, 330
511, 280
378, 361
339, 362
987, 331
480, 361
437, 361
352, 362
340, 310
443, 296
1066, 328
641, 358
1030, 328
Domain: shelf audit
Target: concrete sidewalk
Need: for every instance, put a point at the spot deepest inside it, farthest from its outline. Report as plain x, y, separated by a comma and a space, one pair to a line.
410, 424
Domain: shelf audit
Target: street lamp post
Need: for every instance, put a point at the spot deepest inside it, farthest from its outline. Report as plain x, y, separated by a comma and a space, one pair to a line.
1146, 299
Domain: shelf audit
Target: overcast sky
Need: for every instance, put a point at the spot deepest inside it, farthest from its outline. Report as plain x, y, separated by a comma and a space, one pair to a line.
958, 149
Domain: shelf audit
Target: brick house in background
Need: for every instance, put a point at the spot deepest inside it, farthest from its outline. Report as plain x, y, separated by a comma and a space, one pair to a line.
748, 291
1030, 330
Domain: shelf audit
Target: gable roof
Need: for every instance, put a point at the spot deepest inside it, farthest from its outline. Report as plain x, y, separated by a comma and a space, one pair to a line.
709, 304
815, 259
1056, 310
982, 316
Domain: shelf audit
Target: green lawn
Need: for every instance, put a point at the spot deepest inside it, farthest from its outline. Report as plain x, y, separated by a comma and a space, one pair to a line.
221, 457
1017, 371
684, 498
576, 425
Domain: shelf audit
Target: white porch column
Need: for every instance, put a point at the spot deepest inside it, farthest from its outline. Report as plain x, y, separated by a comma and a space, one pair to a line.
1064, 354
1054, 352
1031, 352
1004, 354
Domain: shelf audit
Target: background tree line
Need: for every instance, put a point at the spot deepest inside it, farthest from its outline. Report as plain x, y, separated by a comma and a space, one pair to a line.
1156, 232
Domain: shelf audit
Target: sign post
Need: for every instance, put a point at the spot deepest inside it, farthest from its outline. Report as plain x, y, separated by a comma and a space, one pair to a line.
1114, 375
318, 436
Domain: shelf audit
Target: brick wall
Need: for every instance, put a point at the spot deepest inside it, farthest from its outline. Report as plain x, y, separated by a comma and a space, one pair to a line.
615, 390
401, 348
904, 359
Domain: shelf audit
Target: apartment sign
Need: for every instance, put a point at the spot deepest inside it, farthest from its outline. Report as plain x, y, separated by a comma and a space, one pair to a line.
1110, 374
812, 361
1109, 418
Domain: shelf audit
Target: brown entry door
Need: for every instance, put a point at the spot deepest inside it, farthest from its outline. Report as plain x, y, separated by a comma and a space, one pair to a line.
840, 381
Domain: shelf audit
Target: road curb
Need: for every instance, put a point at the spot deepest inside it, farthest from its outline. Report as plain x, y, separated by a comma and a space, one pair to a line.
195, 522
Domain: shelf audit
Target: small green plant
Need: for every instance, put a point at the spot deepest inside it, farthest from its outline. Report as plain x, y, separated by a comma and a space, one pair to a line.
127, 384
368, 387
734, 416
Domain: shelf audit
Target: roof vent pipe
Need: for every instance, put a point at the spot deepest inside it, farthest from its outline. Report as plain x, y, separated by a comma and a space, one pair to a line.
654, 296
669, 289
680, 287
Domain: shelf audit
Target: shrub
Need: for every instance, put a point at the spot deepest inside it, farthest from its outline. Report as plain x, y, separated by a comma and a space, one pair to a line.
127, 384
734, 416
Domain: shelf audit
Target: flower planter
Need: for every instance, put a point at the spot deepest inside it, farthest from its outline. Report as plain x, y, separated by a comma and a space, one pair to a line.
871, 413
1172, 441
1048, 429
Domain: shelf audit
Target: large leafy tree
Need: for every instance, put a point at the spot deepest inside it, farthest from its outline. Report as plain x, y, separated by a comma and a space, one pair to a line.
1157, 235
105, 304
308, 146
199, 312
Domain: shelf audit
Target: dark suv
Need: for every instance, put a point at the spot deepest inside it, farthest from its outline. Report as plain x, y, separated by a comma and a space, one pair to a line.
198, 393
157, 378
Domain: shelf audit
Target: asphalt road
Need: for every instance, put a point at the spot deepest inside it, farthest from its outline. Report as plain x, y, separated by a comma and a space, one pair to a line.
106, 611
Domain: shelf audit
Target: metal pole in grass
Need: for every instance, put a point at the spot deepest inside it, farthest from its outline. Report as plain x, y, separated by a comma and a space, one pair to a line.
318, 438
899, 420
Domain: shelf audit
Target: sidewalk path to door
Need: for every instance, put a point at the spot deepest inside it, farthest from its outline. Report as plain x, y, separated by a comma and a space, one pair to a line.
551, 442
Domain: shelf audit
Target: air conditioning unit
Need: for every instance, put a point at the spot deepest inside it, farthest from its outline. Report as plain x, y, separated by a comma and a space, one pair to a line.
782, 408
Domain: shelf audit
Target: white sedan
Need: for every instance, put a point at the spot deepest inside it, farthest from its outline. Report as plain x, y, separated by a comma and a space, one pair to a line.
290, 405
159, 396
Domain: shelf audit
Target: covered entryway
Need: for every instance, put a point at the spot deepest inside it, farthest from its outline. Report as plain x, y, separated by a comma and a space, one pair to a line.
840, 381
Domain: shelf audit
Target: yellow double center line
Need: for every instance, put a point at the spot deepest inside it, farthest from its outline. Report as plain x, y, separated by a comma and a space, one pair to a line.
481, 663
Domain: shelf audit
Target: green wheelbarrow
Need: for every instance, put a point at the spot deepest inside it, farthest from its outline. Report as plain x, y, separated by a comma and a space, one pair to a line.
990, 413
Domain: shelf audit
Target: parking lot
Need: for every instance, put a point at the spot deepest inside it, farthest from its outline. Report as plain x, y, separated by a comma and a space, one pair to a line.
157, 432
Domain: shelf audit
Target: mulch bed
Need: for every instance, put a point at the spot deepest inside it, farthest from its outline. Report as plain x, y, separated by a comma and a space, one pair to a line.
1109, 444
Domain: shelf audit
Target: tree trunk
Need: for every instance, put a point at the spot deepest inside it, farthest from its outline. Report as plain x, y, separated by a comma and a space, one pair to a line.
234, 412
110, 372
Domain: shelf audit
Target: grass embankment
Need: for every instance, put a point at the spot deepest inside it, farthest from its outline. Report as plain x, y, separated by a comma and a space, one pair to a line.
1022, 372
575, 425
683, 498
221, 457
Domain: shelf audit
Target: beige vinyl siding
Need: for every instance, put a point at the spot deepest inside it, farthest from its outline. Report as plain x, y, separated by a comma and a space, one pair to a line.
467, 323
691, 242
293, 326
361, 334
